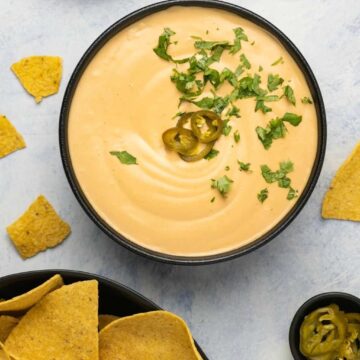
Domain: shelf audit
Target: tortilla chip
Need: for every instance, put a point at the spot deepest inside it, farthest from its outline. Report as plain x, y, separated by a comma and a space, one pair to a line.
7, 323
152, 336
10, 139
62, 326
3, 354
29, 299
342, 200
39, 75
38, 229
105, 320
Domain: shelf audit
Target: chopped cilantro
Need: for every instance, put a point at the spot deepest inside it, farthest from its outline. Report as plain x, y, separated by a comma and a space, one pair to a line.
253, 43
263, 195
244, 166
293, 119
260, 105
280, 176
212, 199
227, 168
306, 100
125, 157
239, 36
213, 153
274, 130
244, 60
236, 136
179, 113
280, 60
223, 185
261, 68
289, 94
187, 83
226, 128
213, 76
274, 81
234, 111
210, 45
292, 194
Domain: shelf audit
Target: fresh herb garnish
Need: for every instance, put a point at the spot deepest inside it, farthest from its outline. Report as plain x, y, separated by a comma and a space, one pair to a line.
244, 166
226, 127
179, 113
276, 128
263, 195
260, 105
280, 176
306, 100
212, 199
292, 194
124, 157
234, 111
223, 185
274, 81
210, 45
280, 60
239, 36
187, 83
260, 68
245, 61
236, 136
289, 94
227, 168
213, 153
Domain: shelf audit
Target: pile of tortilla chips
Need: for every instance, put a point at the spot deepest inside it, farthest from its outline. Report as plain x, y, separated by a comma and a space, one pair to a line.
61, 322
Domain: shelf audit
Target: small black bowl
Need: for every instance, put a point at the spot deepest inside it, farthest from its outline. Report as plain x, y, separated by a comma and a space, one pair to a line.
114, 298
89, 55
346, 302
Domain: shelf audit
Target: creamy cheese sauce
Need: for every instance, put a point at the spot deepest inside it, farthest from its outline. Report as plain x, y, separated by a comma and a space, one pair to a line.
125, 101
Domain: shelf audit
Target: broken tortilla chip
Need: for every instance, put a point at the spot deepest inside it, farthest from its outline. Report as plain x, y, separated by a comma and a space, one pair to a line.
39, 75
151, 336
342, 200
25, 301
3, 354
7, 323
38, 229
10, 139
105, 320
62, 326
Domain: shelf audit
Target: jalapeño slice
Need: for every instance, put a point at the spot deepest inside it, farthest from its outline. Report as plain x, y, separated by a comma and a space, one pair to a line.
198, 153
180, 140
206, 126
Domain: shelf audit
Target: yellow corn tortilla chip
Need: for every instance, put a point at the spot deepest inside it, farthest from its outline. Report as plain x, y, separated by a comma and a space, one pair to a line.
3, 354
39, 75
25, 301
10, 139
152, 336
62, 326
105, 320
38, 229
342, 200
7, 323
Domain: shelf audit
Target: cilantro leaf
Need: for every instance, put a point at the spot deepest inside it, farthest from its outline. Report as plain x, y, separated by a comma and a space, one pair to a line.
239, 36
263, 195
187, 83
279, 176
228, 75
213, 153
124, 157
260, 105
292, 194
244, 166
306, 100
236, 136
226, 128
274, 130
289, 94
210, 45
245, 61
212, 199
234, 111
280, 60
163, 44
223, 185
274, 81
213, 76
293, 119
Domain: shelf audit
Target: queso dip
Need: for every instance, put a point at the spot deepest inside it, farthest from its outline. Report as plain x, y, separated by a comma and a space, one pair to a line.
125, 100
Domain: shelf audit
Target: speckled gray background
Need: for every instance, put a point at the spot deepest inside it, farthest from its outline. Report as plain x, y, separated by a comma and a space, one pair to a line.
237, 310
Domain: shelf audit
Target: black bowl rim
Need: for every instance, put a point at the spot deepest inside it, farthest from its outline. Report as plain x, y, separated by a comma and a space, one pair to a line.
196, 260
303, 311
83, 275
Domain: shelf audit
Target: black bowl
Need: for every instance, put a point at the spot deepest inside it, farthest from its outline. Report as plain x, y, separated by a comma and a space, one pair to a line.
114, 298
98, 44
346, 302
